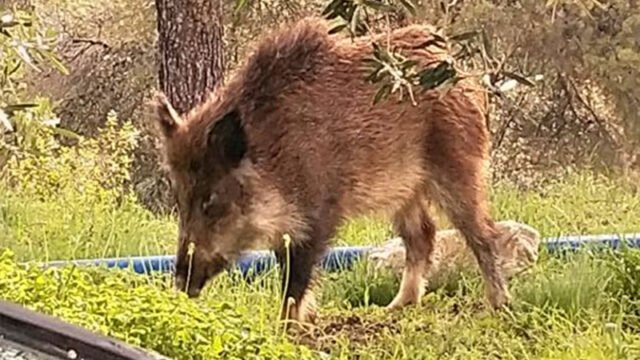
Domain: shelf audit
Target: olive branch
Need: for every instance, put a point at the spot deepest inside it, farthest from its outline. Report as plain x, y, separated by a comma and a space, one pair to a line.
395, 73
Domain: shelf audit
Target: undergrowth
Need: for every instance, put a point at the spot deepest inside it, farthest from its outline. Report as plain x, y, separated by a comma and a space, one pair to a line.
144, 312
60, 202
554, 315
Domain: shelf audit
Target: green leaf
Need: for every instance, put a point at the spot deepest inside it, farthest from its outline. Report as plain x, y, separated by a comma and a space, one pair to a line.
9, 72
348, 10
488, 47
519, 78
382, 54
433, 77
337, 28
409, 6
66, 133
409, 64
240, 5
10, 109
447, 85
462, 54
9, 24
464, 36
382, 93
376, 47
438, 42
24, 55
439, 38
378, 5
355, 18
330, 10
56, 63
370, 62
374, 76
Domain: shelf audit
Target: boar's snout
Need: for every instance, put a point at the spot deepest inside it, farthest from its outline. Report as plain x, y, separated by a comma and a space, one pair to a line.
181, 285
192, 274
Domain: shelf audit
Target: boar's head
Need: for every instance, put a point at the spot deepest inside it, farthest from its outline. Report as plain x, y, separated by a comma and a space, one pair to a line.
203, 160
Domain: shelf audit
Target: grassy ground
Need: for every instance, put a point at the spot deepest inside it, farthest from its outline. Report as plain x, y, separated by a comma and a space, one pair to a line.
583, 307
64, 228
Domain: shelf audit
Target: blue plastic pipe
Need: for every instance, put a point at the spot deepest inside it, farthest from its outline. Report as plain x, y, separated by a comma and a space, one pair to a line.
563, 244
338, 258
250, 263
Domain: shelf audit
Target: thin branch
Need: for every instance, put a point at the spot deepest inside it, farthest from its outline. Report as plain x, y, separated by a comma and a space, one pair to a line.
91, 42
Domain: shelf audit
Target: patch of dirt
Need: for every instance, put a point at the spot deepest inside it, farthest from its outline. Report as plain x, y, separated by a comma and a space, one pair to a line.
352, 329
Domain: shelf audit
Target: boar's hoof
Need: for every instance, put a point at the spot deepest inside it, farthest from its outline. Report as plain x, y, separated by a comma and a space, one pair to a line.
499, 299
401, 301
300, 315
193, 293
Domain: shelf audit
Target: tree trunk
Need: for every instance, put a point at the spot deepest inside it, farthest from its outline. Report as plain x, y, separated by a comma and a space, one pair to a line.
190, 48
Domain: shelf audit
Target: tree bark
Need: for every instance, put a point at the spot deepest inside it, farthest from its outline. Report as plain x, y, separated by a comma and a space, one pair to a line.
190, 50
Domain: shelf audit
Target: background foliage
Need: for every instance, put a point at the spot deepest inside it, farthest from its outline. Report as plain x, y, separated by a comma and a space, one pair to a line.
77, 169
582, 113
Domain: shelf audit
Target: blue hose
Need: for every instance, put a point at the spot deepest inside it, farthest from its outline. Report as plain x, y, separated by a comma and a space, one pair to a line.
338, 258
250, 263
563, 244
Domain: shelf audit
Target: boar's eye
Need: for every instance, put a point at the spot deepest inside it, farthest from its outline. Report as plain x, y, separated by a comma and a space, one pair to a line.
212, 207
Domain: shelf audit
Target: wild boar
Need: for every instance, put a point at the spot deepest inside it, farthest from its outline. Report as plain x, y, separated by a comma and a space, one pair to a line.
293, 144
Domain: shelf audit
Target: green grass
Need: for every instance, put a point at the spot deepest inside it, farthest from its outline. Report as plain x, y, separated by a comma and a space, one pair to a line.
37, 230
582, 203
583, 307
65, 229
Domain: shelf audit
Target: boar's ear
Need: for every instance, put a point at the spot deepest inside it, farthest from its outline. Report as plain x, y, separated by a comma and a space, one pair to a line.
165, 117
227, 139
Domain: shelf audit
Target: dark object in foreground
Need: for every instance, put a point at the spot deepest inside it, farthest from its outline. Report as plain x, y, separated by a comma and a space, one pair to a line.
44, 334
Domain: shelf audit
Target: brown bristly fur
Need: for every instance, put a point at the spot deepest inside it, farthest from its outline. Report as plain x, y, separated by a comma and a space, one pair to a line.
293, 144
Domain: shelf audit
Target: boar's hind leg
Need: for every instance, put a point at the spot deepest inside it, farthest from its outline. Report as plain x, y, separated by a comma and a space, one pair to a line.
460, 190
297, 279
417, 230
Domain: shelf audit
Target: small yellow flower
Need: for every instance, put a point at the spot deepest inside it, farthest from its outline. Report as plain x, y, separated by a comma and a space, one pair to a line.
287, 240
191, 249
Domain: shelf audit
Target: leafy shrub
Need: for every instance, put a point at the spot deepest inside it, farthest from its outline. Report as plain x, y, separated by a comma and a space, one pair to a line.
59, 200
95, 170
25, 46
144, 313
68, 201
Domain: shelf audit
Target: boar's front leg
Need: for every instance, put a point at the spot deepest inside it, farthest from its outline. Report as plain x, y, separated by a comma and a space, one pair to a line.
418, 231
297, 276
